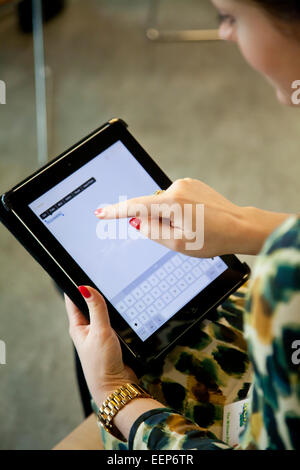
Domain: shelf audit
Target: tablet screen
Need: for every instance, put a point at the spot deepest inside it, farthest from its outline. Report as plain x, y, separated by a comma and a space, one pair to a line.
146, 282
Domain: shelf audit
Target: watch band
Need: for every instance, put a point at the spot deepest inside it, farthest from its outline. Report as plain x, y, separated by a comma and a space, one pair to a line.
115, 402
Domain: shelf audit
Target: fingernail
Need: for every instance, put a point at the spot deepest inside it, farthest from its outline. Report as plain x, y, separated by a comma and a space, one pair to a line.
136, 223
99, 212
84, 291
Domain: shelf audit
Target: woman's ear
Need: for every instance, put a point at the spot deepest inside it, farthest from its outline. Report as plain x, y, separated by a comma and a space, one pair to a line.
227, 32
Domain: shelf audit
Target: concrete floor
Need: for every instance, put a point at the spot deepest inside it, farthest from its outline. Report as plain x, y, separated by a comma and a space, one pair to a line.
198, 109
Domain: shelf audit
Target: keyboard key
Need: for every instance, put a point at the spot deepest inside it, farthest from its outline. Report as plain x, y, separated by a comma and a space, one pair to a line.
171, 279
203, 281
148, 299
131, 313
212, 272
197, 271
186, 266
182, 284
161, 273
143, 317
159, 319
140, 306
156, 292
136, 324
167, 297
153, 280
189, 278
159, 304
178, 273
121, 307
176, 260
219, 264
204, 264
174, 291
137, 293
142, 333
151, 326
145, 286
164, 286
151, 310
169, 267
129, 300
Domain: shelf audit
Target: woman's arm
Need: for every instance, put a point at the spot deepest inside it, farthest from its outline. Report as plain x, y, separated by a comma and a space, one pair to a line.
127, 416
254, 227
100, 354
164, 428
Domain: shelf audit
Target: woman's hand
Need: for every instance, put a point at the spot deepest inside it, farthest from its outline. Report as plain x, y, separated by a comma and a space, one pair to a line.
98, 346
223, 227
217, 226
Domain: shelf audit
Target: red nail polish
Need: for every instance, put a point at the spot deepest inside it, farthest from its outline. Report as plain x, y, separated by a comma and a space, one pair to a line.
136, 223
84, 291
99, 212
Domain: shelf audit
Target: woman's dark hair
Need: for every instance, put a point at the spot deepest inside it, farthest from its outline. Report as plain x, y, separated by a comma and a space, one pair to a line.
284, 14
285, 10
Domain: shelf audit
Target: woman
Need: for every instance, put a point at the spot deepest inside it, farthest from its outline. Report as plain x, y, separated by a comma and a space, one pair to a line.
268, 35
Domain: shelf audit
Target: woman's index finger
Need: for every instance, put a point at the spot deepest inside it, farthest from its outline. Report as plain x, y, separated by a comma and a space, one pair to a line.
138, 206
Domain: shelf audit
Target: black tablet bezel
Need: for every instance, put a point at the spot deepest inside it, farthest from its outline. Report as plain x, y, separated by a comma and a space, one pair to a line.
20, 196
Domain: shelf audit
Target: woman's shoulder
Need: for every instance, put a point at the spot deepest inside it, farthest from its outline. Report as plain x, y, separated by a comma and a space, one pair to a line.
276, 273
286, 236
272, 329
272, 306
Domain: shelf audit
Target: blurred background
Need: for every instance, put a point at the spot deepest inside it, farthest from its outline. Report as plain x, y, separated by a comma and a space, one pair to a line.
196, 107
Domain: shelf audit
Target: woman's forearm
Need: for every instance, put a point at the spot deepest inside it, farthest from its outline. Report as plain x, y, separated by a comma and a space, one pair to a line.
125, 418
255, 225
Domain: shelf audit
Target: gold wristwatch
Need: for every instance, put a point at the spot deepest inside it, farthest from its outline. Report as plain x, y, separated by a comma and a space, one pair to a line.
114, 402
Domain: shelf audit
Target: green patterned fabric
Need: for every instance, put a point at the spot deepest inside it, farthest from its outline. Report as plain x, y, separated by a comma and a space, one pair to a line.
271, 325
248, 339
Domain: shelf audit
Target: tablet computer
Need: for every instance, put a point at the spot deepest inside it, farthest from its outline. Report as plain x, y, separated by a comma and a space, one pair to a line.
154, 295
